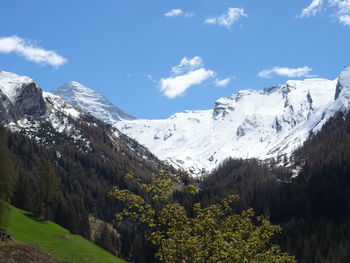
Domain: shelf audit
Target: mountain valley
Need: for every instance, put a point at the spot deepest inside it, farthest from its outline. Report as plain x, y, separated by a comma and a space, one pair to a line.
283, 149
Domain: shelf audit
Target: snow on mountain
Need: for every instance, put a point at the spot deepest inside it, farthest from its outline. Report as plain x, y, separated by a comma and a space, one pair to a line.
12, 85
19, 96
60, 105
87, 99
40, 115
251, 123
341, 100
51, 120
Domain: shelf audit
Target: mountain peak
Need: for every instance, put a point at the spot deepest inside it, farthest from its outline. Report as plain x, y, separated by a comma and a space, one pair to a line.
248, 124
99, 106
343, 82
19, 96
344, 77
77, 87
76, 90
11, 84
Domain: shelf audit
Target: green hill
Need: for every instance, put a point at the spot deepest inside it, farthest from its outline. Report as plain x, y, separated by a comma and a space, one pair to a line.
55, 240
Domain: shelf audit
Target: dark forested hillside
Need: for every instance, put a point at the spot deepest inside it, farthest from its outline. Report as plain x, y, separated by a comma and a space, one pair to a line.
313, 208
64, 183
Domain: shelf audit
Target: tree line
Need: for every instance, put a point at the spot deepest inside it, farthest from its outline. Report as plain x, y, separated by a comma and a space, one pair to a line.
64, 184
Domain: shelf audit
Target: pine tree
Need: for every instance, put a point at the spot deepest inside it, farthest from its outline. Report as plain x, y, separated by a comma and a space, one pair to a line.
6, 172
6, 183
48, 183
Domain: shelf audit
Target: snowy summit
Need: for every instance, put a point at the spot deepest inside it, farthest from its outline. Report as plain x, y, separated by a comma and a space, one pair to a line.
11, 84
87, 99
251, 123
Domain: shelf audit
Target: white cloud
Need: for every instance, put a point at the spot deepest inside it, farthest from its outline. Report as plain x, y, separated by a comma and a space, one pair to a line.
312, 9
24, 48
227, 19
345, 20
210, 21
340, 9
286, 72
175, 86
178, 12
174, 12
189, 72
343, 6
222, 82
187, 64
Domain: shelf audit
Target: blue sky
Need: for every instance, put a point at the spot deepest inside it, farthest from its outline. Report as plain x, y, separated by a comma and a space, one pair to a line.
154, 58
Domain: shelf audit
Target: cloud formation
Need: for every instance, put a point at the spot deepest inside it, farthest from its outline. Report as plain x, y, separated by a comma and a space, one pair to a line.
340, 9
286, 72
188, 73
227, 19
178, 12
174, 12
175, 86
222, 82
312, 9
187, 64
343, 10
345, 20
24, 48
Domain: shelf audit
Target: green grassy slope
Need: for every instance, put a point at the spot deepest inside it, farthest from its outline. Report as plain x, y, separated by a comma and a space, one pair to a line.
55, 240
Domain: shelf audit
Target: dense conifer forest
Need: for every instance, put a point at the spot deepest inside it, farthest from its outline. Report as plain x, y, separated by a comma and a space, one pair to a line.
313, 208
67, 185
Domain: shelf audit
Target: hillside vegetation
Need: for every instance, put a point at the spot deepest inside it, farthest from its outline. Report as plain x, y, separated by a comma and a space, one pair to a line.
55, 240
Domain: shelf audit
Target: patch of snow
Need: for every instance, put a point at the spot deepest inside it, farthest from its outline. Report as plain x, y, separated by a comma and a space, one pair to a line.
251, 123
11, 84
59, 104
295, 172
87, 99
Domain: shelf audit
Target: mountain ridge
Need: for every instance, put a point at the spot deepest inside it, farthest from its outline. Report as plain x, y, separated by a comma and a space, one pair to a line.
85, 98
51, 120
266, 123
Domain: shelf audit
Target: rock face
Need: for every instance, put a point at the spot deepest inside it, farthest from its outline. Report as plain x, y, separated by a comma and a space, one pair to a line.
51, 120
6, 109
343, 82
87, 99
19, 96
30, 101
251, 123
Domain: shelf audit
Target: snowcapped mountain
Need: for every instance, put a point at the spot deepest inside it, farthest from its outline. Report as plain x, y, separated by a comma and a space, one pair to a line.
85, 98
251, 123
24, 107
52, 121
19, 96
